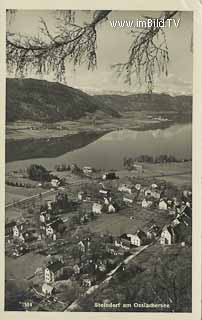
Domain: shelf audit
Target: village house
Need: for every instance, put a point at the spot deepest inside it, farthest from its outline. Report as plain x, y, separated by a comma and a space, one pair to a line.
163, 205
97, 208
124, 242
17, 229
148, 193
105, 192
53, 271
9, 228
146, 203
111, 208
126, 188
87, 170
47, 289
154, 186
155, 194
152, 232
129, 199
167, 235
109, 176
138, 239
52, 227
138, 186
55, 183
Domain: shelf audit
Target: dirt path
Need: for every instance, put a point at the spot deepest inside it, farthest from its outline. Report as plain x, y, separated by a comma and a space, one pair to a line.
75, 305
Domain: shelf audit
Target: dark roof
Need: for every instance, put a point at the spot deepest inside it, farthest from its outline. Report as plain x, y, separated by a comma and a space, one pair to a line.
141, 234
10, 224
55, 266
56, 223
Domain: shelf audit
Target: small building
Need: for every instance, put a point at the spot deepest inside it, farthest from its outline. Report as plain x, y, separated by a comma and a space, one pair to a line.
163, 205
105, 192
155, 194
138, 239
126, 188
53, 271
97, 208
146, 203
138, 186
87, 170
129, 199
81, 195
167, 235
109, 176
111, 208
9, 228
53, 227
47, 289
55, 183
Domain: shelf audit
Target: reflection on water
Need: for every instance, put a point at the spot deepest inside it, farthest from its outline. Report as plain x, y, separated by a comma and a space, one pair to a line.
109, 150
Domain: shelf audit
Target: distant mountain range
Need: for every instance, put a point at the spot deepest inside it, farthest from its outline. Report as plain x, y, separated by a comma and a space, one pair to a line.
40, 100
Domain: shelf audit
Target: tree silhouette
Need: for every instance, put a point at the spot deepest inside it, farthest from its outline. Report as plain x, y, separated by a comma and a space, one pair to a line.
77, 44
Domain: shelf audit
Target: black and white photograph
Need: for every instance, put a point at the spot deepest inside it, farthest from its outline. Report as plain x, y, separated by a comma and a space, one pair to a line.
98, 163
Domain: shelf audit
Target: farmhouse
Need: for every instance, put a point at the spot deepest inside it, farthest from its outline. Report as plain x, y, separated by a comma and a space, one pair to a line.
126, 188
167, 235
47, 289
9, 228
87, 170
53, 271
55, 183
109, 176
111, 208
97, 208
53, 227
129, 199
163, 205
138, 239
146, 203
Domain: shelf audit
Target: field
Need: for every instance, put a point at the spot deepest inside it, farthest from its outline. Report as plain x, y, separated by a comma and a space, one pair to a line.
119, 223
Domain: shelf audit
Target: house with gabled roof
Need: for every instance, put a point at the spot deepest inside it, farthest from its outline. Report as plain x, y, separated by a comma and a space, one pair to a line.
163, 204
167, 235
53, 271
138, 239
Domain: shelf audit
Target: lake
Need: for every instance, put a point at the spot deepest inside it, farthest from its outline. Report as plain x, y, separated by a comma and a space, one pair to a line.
109, 150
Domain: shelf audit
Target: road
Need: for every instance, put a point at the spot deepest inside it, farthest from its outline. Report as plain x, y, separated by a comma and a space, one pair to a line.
75, 305
78, 182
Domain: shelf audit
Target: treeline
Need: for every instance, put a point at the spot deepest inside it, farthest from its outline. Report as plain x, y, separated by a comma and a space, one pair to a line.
163, 158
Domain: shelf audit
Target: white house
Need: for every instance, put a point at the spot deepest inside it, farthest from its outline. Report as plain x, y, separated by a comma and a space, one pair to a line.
97, 208
128, 199
163, 205
87, 170
167, 235
111, 208
104, 191
16, 232
138, 238
138, 186
47, 289
146, 203
126, 188
53, 271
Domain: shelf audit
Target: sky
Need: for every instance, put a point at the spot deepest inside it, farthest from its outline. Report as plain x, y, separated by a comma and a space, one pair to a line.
112, 48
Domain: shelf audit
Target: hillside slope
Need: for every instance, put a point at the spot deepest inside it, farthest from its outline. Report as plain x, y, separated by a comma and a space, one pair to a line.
40, 100
146, 102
